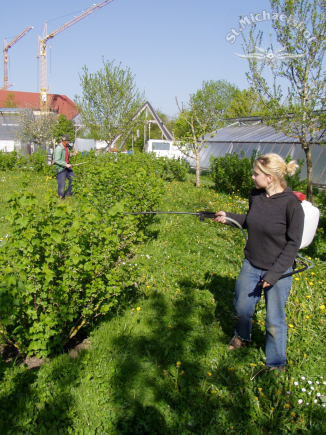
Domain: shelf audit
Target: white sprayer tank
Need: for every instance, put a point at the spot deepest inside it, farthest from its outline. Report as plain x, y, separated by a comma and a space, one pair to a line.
311, 219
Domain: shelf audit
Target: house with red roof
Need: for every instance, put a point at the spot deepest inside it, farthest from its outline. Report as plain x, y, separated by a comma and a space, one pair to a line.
11, 102
31, 100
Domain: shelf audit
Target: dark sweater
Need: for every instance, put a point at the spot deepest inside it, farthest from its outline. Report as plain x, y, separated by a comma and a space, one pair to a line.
273, 243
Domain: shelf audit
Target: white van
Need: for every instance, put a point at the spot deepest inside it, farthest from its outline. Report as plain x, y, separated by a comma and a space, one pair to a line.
163, 148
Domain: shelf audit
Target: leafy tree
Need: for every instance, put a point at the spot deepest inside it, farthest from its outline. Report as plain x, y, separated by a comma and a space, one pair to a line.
35, 128
110, 101
63, 125
199, 120
10, 102
294, 110
245, 103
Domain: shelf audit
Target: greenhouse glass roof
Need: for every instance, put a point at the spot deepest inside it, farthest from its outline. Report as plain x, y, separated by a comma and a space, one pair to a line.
264, 139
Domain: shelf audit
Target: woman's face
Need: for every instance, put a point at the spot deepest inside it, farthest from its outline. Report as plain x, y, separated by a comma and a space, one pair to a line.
262, 181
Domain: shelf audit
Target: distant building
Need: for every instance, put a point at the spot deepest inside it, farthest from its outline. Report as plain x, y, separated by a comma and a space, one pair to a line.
31, 100
13, 101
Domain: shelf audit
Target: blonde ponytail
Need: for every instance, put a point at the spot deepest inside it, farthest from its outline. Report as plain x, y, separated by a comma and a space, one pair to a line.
292, 167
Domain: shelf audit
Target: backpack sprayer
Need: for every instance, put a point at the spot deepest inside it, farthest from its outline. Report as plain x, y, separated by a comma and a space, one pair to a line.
311, 214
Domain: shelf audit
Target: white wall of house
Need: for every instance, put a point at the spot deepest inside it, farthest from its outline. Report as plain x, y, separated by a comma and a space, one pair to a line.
7, 145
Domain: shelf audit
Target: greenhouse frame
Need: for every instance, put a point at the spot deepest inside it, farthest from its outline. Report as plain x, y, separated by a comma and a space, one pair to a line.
239, 137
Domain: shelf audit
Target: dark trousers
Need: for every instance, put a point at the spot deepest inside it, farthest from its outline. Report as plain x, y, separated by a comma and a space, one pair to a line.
61, 180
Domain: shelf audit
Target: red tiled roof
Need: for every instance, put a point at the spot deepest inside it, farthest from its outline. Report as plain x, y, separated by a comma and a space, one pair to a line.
31, 100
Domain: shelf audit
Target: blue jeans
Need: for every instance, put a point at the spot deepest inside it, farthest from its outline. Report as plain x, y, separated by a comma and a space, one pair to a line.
61, 180
247, 294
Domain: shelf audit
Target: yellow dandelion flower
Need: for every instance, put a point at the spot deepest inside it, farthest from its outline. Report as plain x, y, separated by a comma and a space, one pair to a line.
209, 374
213, 392
178, 363
322, 307
287, 406
256, 398
291, 326
293, 414
138, 308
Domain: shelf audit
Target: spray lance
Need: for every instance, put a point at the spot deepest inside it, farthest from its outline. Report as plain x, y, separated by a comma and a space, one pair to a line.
77, 164
211, 215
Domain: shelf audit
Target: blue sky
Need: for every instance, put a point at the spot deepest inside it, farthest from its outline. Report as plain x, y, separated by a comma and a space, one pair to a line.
170, 46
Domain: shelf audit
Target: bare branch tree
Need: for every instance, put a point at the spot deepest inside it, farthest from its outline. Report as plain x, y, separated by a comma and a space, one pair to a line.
35, 128
295, 110
199, 120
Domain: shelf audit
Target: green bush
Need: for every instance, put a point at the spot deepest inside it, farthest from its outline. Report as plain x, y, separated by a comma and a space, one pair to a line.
321, 201
65, 261
8, 161
135, 179
174, 169
232, 173
16, 161
62, 265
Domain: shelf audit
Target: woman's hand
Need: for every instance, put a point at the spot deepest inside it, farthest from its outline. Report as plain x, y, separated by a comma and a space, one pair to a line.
220, 217
265, 284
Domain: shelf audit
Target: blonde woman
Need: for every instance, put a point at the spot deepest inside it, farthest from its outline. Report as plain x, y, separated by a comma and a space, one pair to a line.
273, 243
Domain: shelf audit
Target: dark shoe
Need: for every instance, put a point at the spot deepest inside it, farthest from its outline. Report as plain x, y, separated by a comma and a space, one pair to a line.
235, 343
279, 369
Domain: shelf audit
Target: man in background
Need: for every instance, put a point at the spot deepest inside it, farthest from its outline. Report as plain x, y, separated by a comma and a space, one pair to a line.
63, 167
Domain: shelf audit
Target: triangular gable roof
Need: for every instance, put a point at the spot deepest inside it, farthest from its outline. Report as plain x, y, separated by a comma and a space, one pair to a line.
31, 100
165, 131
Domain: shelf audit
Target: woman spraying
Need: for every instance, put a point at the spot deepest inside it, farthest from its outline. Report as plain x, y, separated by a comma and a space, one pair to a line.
272, 246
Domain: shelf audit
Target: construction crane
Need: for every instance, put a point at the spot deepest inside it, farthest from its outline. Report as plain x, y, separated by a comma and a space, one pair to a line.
6, 85
42, 47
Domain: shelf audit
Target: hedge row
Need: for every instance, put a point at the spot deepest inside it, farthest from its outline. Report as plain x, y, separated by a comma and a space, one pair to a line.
67, 261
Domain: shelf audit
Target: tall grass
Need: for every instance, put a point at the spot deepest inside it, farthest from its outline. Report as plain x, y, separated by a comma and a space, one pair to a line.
130, 382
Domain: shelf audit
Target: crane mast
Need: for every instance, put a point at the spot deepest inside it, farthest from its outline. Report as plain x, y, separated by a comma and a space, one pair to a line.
6, 85
46, 37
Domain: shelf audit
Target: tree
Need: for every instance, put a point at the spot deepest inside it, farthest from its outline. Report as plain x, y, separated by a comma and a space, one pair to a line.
245, 103
110, 101
35, 128
294, 109
199, 120
61, 126
10, 101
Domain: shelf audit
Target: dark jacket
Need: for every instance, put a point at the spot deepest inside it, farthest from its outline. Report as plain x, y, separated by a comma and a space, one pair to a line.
273, 243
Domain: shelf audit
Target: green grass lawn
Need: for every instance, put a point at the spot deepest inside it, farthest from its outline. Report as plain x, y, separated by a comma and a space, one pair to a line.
161, 365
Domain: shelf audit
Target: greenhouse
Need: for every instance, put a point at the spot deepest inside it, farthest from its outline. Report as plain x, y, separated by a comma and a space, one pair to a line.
238, 137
